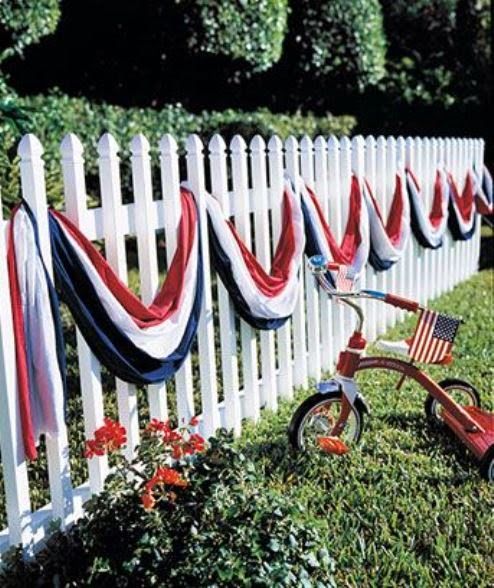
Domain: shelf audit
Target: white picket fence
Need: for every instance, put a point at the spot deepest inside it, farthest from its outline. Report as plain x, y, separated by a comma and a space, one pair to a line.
248, 182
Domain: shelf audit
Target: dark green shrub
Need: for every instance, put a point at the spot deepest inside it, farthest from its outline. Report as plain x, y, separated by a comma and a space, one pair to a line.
225, 529
340, 41
23, 22
249, 30
421, 43
51, 117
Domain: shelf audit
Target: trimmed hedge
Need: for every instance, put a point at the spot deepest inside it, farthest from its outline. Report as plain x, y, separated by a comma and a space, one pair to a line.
342, 40
51, 117
23, 22
251, 30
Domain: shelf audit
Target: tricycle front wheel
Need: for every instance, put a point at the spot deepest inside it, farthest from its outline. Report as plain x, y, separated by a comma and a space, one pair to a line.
487, 465
316, 417
460, 391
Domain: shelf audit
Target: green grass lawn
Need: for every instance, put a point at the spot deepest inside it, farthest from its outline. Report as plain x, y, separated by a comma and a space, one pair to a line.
407, 507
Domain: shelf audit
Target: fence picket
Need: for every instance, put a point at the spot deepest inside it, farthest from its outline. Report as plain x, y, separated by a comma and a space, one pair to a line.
111, 200
170, 191
262, 248
34, 193
207, 365
15, 481
228, 340
89, 367
241, 202
276, 187
298, 319
146, 221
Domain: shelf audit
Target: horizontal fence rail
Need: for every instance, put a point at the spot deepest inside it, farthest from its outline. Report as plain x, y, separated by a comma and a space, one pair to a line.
240, 370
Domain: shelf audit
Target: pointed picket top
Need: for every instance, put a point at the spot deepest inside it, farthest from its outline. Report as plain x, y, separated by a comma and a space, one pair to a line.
400, 151
370, 142
291, 144
333, 143
358, 147
257, 144
71, 147
108, 146
194, 145
217, 144
238, 144
391, 142
381, 142
306, 144
275, 144
168, 144
30, 148
139, 145
345, 143
319, 144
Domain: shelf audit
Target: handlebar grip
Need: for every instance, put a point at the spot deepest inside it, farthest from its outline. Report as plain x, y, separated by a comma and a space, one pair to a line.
400, 302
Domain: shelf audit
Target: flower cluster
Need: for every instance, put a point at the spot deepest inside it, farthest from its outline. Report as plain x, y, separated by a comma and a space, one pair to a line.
162, 446
108, 438
164, 478
180, 442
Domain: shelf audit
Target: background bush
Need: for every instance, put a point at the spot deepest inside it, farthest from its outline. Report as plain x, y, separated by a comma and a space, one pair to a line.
250, 30
23, 22
338, 43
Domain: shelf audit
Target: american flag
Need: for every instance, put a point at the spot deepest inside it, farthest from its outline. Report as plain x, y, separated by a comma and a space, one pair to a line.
342, 282
433, 337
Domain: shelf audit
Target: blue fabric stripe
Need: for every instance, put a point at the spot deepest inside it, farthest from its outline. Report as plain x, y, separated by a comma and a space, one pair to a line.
223, 266
112, 348
454, 225
54, 307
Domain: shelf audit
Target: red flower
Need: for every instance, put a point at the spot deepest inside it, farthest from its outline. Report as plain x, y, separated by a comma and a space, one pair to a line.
170, 477
194, 421
110, 437
148, 501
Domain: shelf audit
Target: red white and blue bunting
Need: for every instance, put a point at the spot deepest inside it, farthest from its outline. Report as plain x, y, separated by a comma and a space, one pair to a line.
353, 251
264, 300
147, 344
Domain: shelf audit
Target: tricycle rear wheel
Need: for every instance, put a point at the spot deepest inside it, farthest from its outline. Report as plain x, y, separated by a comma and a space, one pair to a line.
487, 465
462, 392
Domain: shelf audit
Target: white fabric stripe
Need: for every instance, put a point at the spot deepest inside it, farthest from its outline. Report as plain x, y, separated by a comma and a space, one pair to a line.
415, 346
46, 385
465, 226
426, 227
380, 240
158, 341
260, 305
362, 254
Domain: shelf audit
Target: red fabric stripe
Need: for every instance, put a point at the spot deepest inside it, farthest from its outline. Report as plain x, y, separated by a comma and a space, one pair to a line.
393, 225
20, 349
465, 202
169, 297
352, 239
437, 213
273, 283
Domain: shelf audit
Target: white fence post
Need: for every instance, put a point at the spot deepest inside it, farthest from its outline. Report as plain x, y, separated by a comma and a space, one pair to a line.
228, 336
311, 287
241, 209
298, 319
263, 245
111, 199
285, 370
145, 222
170, 189
15, 481
89, 367
390, 184
337, 223
207, 365
33, 191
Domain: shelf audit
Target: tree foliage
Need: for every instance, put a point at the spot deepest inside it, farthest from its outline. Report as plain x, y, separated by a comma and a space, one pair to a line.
23, 22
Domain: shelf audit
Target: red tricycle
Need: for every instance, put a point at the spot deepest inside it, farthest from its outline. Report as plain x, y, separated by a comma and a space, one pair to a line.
333, 418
